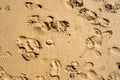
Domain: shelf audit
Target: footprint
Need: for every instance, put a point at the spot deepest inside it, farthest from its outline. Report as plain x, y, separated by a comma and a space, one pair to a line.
90, 43
4, 75
55, 63
72, 67
97, 32
5, 55
55, 66
64, 25
88, 14
89, 65
39, 78
22, 76
114, 50
29, 56
98, 53
93, 75
34, 44
48, 23
97, 40
58, 25
74, 64
29, 47
117, 6
110, 8
82, 75
106, 36
2, 71
74, 3
31, 5
103, 22
72, 75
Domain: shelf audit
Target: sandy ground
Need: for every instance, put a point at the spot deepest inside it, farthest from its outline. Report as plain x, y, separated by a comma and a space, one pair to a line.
59, 40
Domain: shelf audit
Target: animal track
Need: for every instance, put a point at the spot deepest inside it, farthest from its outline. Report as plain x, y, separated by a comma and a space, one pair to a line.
49, 23
83, 75
31, 5
90, 43
96, 40
98, 53
102, 22
89, 65
93, 75
112, 8
55, 67
73, 70
114, 50
106, 35
4, 75
5, 55
93, 18
87, 14
29, 47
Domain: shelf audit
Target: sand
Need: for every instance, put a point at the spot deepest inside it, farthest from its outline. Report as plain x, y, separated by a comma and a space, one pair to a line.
59, 39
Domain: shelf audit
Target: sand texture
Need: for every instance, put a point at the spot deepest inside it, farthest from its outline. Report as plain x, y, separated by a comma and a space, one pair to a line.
59, 39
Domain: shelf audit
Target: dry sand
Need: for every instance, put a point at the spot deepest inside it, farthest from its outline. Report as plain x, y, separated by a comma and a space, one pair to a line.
59, 39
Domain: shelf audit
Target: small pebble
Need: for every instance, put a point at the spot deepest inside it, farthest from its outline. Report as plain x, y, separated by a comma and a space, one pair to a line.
49, 42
